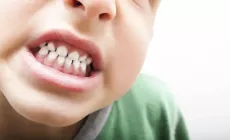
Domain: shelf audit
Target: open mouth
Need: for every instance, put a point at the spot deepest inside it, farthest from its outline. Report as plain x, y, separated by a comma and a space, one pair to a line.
59, 56
62, 59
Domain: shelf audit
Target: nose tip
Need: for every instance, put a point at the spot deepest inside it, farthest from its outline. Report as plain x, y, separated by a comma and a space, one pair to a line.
100, 9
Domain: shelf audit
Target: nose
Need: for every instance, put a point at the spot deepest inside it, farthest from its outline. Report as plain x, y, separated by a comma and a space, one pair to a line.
99, 9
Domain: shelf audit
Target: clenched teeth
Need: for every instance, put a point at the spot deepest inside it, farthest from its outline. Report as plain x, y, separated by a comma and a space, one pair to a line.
60, 59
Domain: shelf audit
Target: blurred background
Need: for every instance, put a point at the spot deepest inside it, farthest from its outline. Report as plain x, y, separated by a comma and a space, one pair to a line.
191, 52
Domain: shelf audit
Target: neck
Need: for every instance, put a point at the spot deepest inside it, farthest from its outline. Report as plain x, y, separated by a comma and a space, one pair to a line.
14, 126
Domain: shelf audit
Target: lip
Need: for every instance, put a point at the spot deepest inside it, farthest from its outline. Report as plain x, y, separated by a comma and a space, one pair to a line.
56, 78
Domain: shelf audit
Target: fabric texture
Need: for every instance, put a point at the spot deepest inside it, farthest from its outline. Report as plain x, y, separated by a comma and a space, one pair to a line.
146, 112
93, 125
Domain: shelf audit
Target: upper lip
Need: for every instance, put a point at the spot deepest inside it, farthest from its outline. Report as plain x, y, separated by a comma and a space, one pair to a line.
74, 41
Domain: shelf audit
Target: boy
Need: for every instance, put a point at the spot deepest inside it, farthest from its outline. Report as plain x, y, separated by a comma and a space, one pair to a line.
70, 70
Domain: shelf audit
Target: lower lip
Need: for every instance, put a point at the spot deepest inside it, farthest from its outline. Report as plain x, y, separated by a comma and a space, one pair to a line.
57, 78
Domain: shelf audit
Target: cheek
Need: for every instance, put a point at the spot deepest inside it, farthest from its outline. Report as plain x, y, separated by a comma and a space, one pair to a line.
128, 57
15, 21
14, 12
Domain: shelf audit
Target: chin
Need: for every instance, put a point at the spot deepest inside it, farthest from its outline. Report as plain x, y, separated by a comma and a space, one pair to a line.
46, 115
46, 110
54, 119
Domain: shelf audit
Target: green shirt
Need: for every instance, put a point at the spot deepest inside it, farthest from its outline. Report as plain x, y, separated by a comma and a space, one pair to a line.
146, 112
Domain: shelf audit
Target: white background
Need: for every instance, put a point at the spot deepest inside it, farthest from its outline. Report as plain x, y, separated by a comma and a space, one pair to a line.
191, 51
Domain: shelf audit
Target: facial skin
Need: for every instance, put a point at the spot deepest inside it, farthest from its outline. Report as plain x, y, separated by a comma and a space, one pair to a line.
122, 35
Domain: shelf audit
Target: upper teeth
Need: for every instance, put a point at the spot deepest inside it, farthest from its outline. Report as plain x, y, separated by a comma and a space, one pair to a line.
43, 51
62, 51
51, 46
74, 55
71, 62
83, 58
88, 60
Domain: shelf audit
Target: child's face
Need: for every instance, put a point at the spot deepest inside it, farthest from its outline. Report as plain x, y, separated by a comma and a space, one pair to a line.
120, 31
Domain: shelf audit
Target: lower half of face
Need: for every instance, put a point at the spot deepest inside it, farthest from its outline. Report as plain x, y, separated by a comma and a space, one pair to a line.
69, 67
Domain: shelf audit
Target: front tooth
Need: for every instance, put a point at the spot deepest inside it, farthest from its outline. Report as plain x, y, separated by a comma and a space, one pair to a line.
62, 51
88, 60
50, 58
51, 46
74, 55
83, 58
67, 65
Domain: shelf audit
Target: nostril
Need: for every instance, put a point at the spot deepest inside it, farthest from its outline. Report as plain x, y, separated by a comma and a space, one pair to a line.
92, 9
77, 3
104, 16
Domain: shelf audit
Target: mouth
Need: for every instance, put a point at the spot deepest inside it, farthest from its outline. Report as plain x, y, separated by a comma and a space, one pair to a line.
63, 59
59, 57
